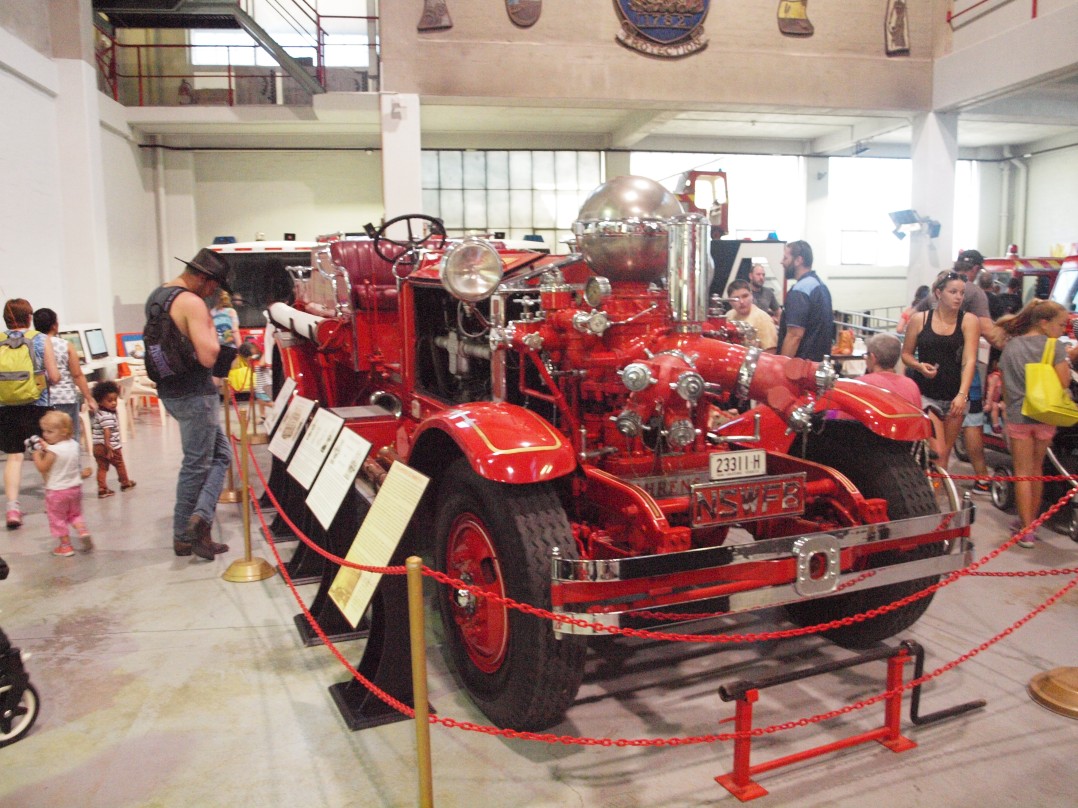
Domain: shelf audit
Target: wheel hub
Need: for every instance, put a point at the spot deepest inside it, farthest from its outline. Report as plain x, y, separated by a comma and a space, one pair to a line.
482, 623
464, 598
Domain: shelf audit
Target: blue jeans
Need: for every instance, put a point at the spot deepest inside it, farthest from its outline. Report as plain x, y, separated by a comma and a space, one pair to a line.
206, 456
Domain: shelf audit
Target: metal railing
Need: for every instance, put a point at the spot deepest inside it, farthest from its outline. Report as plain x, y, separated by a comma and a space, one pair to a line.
158, 74
870, 321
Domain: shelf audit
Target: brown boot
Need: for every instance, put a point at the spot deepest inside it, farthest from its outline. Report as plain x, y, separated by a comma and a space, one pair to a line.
199, 538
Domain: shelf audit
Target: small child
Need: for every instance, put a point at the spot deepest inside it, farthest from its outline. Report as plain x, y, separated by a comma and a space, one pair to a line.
57, 458
106, 438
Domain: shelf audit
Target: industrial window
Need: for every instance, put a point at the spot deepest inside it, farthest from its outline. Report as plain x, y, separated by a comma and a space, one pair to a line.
517, 193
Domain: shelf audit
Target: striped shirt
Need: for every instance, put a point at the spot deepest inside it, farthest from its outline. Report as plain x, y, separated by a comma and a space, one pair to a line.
105, 419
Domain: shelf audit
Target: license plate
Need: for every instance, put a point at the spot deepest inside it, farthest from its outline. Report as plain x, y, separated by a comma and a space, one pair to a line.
748, 500
731, 465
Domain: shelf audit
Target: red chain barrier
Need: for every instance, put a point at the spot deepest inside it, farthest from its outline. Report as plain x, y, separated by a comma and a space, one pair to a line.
404, 709
1049, 478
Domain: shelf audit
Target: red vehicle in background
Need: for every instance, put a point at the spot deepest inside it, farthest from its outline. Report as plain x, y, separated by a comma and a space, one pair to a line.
259, 275
1038, 275
601, 443
1065, 291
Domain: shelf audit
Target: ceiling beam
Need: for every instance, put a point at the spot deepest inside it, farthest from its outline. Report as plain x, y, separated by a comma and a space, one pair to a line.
844, 138
638, 125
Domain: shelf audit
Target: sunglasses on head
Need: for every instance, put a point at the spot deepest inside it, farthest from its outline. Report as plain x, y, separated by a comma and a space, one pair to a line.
945, 279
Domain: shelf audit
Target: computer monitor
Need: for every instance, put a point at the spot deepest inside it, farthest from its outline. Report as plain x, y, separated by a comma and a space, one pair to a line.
96, 343
75, 339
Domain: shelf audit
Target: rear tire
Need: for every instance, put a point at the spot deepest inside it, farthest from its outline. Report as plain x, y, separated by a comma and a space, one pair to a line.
501, 537
879, 468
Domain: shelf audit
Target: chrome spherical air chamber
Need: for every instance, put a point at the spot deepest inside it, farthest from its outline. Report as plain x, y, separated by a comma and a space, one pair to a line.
622, 229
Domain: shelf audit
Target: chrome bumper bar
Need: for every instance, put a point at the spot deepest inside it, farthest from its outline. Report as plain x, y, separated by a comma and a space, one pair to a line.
606, 591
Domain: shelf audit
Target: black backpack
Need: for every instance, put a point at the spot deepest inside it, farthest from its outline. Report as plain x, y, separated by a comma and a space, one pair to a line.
168, 352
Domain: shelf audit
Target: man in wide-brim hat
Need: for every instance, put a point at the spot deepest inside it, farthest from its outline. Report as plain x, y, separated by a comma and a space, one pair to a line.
190, 397
211, 265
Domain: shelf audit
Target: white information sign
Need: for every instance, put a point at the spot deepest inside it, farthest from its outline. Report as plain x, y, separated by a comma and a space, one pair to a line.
280, 404
338, 473
377, 539
291, 427
314, 447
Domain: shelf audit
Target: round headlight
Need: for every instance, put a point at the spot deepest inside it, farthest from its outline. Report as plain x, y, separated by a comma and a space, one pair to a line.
471, 270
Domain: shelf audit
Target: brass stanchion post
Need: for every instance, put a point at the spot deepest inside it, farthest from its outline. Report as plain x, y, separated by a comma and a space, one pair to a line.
229, 495
248, 568
1057, 690
257, 438
414, 565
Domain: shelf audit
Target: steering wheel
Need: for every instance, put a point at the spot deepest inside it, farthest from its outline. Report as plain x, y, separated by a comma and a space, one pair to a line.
417, 225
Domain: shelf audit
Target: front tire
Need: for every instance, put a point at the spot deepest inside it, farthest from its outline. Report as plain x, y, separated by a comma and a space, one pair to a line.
14, 725
879, 468
501, 537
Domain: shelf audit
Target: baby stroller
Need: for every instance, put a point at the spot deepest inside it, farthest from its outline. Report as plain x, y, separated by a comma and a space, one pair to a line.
19, 703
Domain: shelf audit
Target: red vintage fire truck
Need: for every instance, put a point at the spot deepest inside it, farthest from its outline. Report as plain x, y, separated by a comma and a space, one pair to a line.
602, 445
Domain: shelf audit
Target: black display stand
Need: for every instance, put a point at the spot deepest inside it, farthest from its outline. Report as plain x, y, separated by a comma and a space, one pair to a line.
284, 489
387, 656
306, 566
338, 539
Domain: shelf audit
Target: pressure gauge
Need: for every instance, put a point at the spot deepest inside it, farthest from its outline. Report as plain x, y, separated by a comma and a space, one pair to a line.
596, 290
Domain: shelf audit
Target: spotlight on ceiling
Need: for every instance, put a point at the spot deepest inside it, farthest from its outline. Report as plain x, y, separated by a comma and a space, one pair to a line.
910, 221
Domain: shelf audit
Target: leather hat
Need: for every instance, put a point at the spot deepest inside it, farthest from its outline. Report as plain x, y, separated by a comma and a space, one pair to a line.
209, 263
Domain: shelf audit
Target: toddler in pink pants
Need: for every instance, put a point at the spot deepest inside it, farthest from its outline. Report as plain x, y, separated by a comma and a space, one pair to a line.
58, 461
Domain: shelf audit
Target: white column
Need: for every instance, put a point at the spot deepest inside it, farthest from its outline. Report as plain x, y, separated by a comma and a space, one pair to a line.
617, 164
815, 228
934, 150
87, 292
177, 222
402, 157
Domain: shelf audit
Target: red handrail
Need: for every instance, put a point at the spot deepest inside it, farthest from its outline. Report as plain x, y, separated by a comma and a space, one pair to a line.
953, 15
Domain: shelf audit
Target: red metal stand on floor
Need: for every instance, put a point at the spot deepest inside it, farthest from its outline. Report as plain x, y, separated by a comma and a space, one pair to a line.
739, 782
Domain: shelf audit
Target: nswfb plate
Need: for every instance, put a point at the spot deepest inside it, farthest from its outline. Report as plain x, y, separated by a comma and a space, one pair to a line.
733, 465
747, 500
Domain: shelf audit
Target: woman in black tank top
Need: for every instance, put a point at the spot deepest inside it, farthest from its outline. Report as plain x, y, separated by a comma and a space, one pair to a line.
940, 354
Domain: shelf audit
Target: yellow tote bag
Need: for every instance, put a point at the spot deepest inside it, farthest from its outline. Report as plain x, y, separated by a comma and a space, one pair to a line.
1046, 400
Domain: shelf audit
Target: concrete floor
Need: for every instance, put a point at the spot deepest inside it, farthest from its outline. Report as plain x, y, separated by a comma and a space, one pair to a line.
163, 685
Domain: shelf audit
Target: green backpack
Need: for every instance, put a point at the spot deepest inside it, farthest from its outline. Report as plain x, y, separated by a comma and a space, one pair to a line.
20, 381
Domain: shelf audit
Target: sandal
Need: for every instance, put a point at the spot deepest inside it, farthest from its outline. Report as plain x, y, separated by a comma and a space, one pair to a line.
129, 484
105, 492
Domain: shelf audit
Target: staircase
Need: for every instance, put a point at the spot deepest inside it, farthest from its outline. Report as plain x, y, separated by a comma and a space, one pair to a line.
112, 14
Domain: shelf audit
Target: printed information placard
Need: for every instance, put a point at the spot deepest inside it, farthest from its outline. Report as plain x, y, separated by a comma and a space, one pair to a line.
314, 447
291, 427
338, 473
377, 539
280, 404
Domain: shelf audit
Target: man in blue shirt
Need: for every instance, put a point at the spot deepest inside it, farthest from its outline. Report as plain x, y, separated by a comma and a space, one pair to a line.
806, 329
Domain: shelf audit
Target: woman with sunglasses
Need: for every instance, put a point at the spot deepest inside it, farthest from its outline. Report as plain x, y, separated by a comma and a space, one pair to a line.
940, 354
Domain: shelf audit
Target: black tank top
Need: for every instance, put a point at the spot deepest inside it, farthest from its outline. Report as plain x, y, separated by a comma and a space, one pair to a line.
945, 351
196, 382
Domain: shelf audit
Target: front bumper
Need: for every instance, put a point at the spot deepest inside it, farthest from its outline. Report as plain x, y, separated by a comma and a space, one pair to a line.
757, 574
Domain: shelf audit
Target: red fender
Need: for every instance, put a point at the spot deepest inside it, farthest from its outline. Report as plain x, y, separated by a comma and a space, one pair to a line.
504, 443
886, 414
